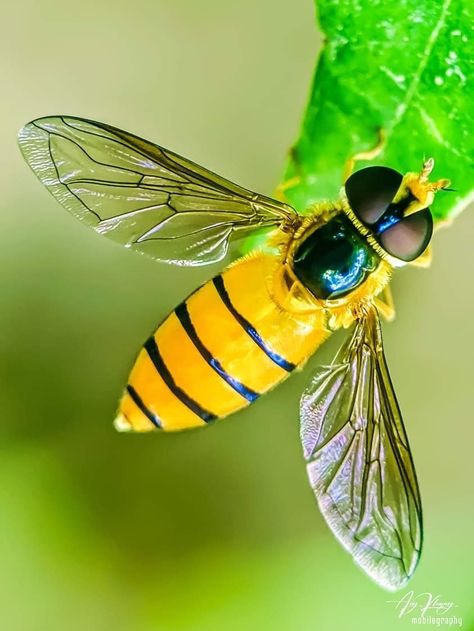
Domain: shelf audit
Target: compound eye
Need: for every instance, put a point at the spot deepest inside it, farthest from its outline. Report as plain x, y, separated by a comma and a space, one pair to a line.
407, 239
371, 190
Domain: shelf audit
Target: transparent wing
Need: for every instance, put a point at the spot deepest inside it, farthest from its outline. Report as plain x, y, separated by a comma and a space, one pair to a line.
359, 461
141, 195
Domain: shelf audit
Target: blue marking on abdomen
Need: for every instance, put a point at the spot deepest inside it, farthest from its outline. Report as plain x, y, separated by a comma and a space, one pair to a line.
152, 349
245, 324
183, 316
141, 406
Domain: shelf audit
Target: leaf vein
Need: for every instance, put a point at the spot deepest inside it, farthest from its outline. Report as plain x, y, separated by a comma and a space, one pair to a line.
425, 57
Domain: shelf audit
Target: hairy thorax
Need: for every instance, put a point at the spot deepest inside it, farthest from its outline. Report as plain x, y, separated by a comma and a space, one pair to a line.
294, 296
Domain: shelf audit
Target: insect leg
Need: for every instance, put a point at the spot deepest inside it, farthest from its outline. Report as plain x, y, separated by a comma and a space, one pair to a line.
385, 305
284, 186
424, 260
292, 181
365, 155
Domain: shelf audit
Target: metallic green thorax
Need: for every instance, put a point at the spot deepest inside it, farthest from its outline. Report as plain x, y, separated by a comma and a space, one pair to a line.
334, 259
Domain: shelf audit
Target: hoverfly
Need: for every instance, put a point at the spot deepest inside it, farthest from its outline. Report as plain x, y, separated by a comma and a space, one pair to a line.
247, 329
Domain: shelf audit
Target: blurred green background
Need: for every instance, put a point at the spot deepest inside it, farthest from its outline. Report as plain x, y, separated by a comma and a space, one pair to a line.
213, 529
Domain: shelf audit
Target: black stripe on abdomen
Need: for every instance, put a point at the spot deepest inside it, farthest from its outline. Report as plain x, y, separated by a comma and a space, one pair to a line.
155, 356
183, 316
142, 407
245, 324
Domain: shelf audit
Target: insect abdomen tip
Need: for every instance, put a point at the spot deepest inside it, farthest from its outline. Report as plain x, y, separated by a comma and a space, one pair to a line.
121, 424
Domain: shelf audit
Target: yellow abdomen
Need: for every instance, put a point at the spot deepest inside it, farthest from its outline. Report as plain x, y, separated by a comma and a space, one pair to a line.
217, 352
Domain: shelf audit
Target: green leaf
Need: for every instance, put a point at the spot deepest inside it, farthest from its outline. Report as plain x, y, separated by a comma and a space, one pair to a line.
403, 66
